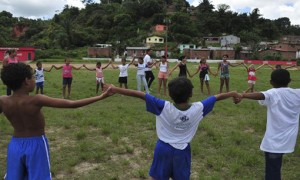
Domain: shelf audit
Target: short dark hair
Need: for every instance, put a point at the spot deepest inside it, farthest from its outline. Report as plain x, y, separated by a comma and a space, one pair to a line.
278, 66
226, 55
181, 58
98, 63
280, 78
38, 62
180, 89
148, 50
13, 75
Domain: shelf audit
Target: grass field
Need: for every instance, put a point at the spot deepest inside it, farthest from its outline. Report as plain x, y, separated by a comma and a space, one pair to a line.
115, 138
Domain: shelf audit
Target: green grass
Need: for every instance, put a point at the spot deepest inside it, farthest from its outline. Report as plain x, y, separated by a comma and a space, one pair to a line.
115, 138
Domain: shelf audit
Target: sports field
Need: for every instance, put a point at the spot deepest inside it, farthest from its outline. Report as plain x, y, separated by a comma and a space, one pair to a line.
115, 138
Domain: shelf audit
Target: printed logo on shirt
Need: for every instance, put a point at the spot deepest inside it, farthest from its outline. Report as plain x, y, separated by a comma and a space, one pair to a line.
184, 118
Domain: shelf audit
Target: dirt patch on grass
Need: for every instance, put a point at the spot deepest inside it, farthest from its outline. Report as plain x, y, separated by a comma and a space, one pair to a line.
85, 167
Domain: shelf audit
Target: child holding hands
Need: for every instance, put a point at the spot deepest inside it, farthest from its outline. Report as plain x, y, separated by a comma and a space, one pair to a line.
67, 76
283, 109
123, 67
28, 151
99, 74
176, 125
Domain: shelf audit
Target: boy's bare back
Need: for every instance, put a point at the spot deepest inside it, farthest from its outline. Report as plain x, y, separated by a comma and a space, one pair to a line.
24, 114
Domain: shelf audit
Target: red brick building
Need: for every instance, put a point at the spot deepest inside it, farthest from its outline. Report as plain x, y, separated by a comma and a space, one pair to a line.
102, 50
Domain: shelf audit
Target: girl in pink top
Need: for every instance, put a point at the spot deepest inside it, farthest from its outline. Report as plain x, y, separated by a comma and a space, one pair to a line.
99, 75
67, 76
251, 76
10, 59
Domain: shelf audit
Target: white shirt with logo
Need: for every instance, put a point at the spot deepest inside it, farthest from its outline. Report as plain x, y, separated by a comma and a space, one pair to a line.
174, 126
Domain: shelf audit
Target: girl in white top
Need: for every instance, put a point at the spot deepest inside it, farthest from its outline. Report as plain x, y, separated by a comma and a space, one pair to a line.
123, 71
39, 77
163, 74
140, 75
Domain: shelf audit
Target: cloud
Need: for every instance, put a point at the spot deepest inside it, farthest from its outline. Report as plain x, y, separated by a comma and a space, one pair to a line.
269, 9
34, 9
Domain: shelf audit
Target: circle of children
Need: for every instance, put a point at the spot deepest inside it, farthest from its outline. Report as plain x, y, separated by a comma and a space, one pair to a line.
176, 122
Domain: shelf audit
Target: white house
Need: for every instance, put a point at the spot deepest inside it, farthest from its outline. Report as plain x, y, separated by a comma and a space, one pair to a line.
186, 46
154, 39
229, 40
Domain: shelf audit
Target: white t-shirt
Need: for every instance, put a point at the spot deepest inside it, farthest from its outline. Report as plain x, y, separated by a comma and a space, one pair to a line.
163, 67
39, 75
174, 126
147, 59
141, 69
123, 70
282, 120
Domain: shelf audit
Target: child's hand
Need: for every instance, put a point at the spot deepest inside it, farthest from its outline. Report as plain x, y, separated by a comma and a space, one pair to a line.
108, 89
83, 65
237, 98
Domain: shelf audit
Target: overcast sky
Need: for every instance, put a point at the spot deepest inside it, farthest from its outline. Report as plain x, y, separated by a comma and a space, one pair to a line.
45, 9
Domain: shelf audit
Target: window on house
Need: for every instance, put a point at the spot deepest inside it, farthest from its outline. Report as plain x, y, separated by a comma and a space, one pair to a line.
160, 40
149, 39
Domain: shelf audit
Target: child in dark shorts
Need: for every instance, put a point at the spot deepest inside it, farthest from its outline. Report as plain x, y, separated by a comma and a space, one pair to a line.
123, 72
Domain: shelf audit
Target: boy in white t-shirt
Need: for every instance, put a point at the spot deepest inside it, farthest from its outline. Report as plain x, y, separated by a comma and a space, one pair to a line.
283, 105
176, 125
39, 77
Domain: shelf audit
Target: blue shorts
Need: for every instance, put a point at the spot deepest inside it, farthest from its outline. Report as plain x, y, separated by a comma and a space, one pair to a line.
67, 81
28, 158
224, 75
40, 84
169, 162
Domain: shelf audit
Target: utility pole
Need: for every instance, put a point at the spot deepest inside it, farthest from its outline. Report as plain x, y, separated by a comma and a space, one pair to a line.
167, 22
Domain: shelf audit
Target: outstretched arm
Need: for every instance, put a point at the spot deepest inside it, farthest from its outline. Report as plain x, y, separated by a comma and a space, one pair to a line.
259, 67
48, 70
253, 96
109, 62
236, 96
245, 66
235, 64
271, 67
198, 71
290, 66
131, 62
127, 92
42, 100
114, 67
187, 70
77, 68
59, 67
219, 67
89, 68
174, 68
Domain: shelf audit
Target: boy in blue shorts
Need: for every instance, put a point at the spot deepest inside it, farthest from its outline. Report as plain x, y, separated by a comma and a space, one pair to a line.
28, 151
39, 77
176, 125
